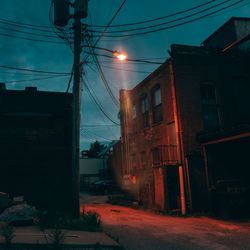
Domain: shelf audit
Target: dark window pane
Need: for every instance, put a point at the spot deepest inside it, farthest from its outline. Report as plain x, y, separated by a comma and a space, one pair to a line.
210, 117
145, 114
208, 95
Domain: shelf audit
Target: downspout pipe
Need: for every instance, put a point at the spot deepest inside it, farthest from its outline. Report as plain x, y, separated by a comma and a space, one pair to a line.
178, 138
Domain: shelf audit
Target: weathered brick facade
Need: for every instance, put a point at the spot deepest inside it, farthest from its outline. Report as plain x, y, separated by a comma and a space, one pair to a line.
204, 91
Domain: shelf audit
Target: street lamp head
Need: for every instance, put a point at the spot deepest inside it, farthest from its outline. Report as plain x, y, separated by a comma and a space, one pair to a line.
120, 56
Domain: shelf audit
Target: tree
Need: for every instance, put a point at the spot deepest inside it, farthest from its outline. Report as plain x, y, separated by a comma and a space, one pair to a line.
95, 149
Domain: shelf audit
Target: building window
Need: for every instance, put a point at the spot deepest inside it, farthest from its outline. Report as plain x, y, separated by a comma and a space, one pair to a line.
209, 106
208, 95
157, 105
145, 113
134, 118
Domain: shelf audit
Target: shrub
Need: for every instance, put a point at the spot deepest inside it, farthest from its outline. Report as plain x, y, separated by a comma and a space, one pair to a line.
7, 231
88, 221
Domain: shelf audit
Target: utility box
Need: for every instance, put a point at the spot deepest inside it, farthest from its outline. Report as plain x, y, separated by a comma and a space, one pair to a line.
81, 8
61, 12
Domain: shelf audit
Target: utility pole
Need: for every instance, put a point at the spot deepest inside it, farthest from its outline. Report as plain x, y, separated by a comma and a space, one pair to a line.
62, 16
76, 113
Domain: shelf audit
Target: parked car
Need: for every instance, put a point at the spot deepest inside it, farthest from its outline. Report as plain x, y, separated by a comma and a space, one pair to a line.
103, 187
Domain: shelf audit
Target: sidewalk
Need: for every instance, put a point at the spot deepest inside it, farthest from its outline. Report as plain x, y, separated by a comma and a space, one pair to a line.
32, 238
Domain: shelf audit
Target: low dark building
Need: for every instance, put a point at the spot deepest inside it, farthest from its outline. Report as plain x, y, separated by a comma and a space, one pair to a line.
185, 129
36, 147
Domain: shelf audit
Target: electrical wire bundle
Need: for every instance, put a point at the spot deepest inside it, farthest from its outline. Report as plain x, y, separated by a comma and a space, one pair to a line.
193, 14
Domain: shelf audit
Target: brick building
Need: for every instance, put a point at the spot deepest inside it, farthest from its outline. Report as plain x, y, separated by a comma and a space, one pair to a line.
36, 147
185, 129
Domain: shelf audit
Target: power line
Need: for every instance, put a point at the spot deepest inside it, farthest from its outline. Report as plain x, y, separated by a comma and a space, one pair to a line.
25, 24
88, 137
70, 80
110, 22
106, 27
176, 25
129, 60
29, 33
101, 115
161, 24
128, 70
35, 79
95, 99
22, 74
155, 19
23, 27
87, 131
35, 71
113, 98
31, 39
98, 125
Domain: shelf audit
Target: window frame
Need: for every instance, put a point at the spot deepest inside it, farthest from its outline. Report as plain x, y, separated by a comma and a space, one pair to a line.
157, 108
145, 110
210, 106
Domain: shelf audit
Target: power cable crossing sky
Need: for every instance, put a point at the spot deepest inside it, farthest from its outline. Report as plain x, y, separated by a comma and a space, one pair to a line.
36, 53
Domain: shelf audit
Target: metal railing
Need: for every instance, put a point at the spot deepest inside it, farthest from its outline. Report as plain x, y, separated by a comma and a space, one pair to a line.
164, 155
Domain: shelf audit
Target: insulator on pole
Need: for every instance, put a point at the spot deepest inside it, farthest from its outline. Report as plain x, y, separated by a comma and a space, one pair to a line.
81, 8
61, 12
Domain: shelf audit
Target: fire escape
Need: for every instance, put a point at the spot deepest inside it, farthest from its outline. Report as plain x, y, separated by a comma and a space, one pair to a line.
164, 155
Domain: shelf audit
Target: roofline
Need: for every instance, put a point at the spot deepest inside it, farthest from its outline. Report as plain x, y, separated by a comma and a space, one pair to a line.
150, 76
231, 19
236, 43
37, 91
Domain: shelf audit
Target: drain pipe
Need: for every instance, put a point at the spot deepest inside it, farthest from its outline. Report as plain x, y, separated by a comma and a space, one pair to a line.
178, 139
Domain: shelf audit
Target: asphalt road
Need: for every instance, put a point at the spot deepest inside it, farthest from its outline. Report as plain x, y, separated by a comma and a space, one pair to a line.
138, 229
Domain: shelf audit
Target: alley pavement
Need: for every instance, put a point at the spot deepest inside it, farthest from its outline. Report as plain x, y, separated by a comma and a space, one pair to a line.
138, 229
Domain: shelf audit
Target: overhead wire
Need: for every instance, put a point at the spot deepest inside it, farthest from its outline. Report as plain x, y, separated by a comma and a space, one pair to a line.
96, 135
25, 24
155, 19
29, 33
70, 80
35, 71
164, 23
35, 79
23, 27
128, 59
96, 59
176, 25
30, 39
106, 84
96, 101
86, 136
97, 125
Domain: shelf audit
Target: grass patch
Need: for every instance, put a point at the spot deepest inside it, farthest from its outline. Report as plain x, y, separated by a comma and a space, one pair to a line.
88, 221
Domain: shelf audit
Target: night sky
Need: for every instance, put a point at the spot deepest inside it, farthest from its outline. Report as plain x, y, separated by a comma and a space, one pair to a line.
22, 53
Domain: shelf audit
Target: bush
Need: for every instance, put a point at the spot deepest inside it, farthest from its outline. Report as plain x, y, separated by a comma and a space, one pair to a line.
88, 221
7, 232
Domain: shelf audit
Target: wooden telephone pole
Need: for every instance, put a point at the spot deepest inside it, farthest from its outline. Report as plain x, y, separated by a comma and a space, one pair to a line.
62, 16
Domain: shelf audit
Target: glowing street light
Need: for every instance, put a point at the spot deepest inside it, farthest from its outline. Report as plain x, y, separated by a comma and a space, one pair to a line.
120, 56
